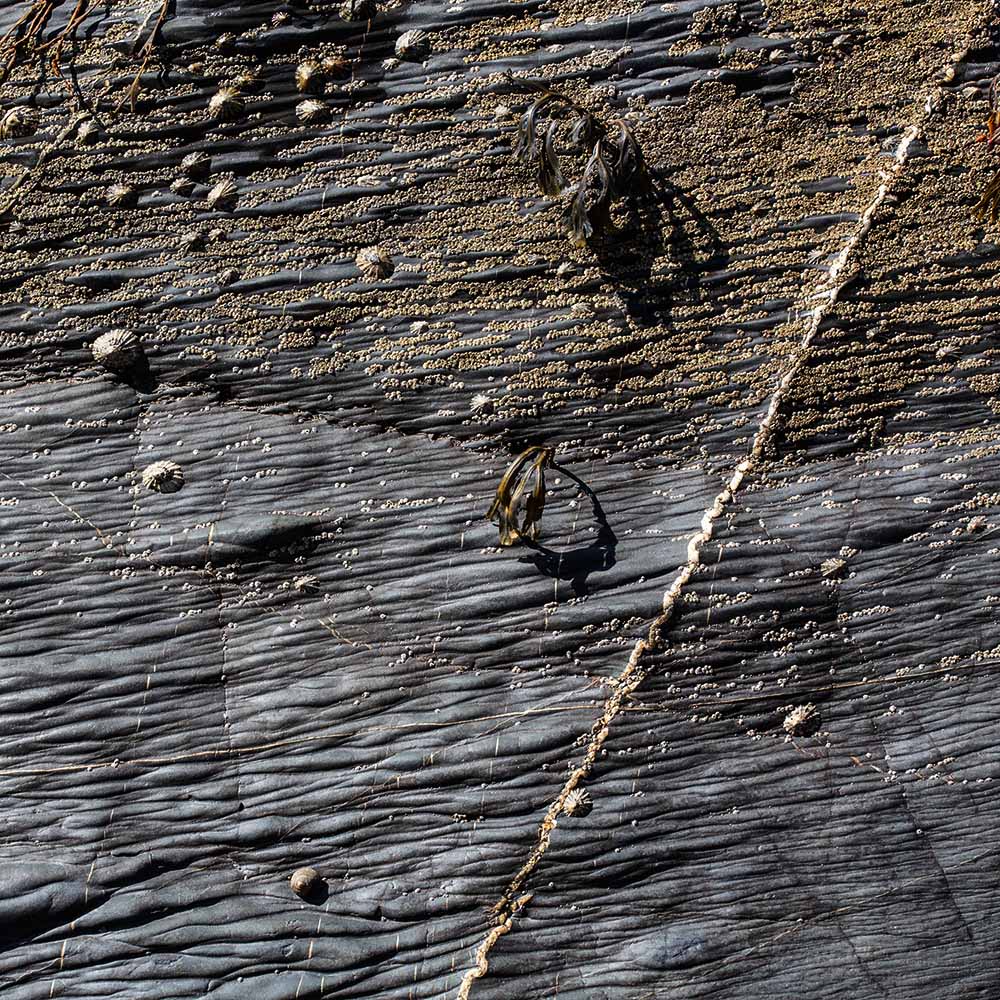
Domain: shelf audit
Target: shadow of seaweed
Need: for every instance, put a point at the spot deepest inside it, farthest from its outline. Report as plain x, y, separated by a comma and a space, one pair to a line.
576, 564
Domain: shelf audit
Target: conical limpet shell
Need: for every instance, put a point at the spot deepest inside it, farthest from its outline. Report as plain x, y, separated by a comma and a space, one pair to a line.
18, 123
163, 477
374, 263
224, 195
117, 350
196, 165
413, 45
121, 196
227, 104
309, 77
311, 110
578, 802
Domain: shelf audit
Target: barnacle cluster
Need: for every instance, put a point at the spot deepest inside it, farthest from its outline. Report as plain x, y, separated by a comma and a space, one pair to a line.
613, 165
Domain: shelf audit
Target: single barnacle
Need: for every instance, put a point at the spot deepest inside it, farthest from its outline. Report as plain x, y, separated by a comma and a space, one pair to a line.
163, 477
357, 10
374, 263
121, 195
801, 720
578, 803
311, 110
309, 77
305, 882
223, 196
196, 165
117, 350
227, 104
18, 123
413, 45
182, 186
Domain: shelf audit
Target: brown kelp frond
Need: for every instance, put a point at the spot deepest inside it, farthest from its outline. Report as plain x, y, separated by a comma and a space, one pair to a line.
614, 167
520, 500
989, 204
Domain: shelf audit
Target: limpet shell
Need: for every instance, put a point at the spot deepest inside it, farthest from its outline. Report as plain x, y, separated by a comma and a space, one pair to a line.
196, 165
311, 110
374, 263
578, 803
224, 195
163, 477
18, 123
121, 196
117, 350
227, 104
414, 45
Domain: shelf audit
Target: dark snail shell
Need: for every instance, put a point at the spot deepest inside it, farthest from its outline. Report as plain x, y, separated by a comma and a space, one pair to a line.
227, 104
374, 263
305, 882
163, 477
117, 350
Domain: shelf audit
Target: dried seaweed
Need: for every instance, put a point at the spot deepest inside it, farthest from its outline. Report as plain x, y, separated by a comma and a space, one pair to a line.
25, 42
614, 167
989, 203
520, 500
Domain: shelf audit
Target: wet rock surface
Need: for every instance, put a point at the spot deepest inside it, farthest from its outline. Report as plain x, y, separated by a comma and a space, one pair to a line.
315, 654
